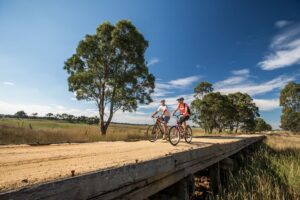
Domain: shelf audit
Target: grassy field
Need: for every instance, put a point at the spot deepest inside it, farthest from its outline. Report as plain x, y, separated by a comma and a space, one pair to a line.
271, 173
29, 131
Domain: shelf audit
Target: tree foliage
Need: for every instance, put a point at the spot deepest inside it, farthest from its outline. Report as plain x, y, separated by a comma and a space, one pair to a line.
290, 102
261, 125
109, 68
244, 113
212, 110
21, 114
203, 88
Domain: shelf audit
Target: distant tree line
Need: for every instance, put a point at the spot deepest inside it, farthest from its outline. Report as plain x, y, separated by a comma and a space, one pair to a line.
50, 116
233, 112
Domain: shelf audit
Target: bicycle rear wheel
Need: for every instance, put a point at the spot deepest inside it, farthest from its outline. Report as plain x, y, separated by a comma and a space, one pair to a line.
174, 135
152, 133
188, 136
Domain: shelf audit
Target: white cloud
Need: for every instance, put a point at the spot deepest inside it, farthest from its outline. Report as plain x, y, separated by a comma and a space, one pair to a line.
255, 88
282, 23
153, 61
8, 83
42, 110
127, 117
284, 50
163, 89
241, 72
170, 101
240, 76
266, 104
230, 81
184, 82
281, 59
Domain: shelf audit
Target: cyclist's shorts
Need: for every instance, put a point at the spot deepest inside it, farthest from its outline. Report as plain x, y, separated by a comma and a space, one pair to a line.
184, 118
166, 118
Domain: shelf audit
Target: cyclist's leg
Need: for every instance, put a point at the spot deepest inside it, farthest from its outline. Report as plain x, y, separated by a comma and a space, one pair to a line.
184, 125
166, 120
185, 118
181, 121
164, 127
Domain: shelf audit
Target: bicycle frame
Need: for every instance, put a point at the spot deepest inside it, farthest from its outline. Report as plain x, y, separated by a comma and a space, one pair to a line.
159, 122
178, 124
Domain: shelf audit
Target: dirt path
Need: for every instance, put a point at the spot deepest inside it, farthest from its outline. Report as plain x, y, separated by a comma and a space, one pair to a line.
22, 165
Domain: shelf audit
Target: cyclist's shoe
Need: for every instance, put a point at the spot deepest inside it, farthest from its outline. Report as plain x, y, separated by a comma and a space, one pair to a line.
164, 137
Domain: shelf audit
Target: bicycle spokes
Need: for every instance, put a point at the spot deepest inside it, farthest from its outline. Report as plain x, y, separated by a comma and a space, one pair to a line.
174, 135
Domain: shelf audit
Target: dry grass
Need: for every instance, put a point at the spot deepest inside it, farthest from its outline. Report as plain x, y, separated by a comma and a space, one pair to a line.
273, 172
283, 141
41, 131
13, 131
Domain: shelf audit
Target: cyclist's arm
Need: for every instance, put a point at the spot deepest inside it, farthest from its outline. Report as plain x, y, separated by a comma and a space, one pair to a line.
175, 110
154, 113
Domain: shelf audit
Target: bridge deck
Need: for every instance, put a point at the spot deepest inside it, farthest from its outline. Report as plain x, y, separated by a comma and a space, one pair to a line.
107, 169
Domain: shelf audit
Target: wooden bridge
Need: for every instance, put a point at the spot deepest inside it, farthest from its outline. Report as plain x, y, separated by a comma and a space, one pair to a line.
138, 179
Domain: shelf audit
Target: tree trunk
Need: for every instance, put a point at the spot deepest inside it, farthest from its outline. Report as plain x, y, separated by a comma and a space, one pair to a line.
220, 130
103, 129
237, 127
104, 125
102, 111
101, 121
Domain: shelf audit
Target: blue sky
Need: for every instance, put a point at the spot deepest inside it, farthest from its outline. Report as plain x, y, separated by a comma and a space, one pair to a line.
248, 46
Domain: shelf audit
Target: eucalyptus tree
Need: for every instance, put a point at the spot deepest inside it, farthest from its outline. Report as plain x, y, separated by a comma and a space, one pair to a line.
290, 102
245, 111
213, 110
21, 114
262, 125
109, 68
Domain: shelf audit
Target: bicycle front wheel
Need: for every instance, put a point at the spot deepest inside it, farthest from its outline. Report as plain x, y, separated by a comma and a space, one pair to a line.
152, 133
188, 136
174, 135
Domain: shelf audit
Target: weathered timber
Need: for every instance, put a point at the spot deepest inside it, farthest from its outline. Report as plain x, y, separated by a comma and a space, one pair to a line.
215, 179
227, 164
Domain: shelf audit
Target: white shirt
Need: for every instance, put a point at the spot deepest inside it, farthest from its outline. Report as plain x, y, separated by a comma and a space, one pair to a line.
164, 109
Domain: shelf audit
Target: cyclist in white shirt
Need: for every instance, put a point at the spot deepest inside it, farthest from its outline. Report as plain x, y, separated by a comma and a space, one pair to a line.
165, 115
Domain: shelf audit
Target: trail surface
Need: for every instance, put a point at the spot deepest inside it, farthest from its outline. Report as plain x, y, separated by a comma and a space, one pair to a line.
22, 165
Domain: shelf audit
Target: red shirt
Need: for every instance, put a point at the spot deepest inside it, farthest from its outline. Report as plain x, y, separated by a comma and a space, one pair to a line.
183, 108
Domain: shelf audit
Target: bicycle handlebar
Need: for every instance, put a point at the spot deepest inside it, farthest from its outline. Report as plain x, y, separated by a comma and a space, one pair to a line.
177, 116
155, 117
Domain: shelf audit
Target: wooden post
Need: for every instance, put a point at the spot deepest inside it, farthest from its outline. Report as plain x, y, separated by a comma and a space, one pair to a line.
227, 164
214, 174
181, 190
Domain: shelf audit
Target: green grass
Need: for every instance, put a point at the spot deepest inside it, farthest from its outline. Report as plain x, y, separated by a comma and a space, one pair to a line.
272, 172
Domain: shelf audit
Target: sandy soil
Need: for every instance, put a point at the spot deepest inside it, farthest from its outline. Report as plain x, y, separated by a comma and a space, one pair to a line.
22, 165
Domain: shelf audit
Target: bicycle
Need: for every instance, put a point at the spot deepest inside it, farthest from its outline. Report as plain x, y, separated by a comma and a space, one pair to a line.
156, 130
177, 132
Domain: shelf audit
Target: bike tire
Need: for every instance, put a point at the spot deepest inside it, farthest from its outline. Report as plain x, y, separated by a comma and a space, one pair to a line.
152, 133
174, 136
189, 135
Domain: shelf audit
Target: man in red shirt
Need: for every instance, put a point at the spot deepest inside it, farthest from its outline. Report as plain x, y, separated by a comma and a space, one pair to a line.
184, 111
